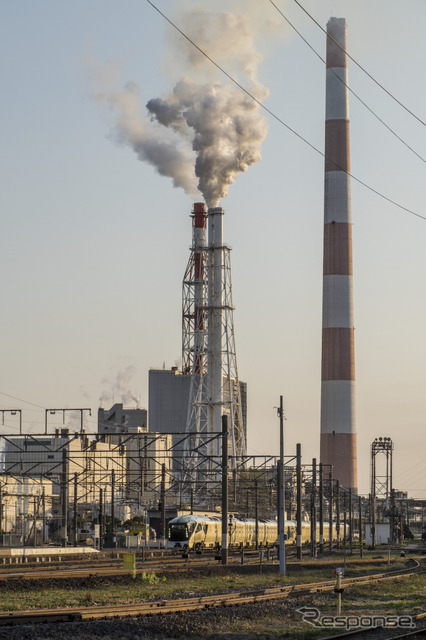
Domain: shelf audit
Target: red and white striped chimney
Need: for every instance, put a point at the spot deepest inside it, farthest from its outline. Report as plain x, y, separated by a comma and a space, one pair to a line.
338, 429
199, 223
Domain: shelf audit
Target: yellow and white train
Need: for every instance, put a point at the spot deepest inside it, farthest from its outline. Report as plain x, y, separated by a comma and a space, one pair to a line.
204, 532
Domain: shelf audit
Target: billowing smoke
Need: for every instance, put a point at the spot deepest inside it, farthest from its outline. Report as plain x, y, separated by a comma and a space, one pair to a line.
227, 131
203, 133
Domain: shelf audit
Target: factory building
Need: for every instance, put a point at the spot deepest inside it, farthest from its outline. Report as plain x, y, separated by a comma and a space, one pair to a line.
23, 501
169, 393
63, 454
120, 420
144, 455
168, 396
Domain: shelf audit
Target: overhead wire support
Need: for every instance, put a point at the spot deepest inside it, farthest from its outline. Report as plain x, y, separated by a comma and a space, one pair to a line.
278, 119
401, 104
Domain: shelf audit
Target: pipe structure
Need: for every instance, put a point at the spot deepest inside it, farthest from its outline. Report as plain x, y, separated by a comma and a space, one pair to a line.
193, 346
338, 435
199, 233
215, 305
299, 501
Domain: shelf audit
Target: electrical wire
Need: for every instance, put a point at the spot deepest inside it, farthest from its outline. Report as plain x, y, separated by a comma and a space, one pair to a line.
360, 66
411, 468
346, 85
21, 400
278, 119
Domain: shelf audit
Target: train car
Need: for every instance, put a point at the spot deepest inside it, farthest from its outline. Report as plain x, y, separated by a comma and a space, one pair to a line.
204, 532
194, 532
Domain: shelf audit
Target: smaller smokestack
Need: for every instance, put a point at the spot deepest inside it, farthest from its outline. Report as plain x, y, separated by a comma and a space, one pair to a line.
215, 304
193, 321
199, 218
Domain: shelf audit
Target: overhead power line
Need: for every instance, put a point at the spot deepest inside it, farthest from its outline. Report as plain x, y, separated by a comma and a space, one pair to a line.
278, 119
21, 400
401, 104
346, 85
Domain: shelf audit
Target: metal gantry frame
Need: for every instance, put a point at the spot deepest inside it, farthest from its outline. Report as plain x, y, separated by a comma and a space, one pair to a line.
67, 477
382, 483
73, 478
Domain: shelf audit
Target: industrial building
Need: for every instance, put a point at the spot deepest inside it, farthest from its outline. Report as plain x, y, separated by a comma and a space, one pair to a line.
168, 406
60, 456
120, 420
45, 476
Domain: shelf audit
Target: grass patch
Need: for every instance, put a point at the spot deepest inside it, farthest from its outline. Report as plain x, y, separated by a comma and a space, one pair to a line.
397, 595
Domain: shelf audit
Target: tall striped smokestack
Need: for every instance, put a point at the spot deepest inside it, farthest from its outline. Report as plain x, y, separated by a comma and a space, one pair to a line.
338, 435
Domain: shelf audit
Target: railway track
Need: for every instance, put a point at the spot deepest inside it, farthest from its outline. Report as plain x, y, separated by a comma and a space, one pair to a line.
191, 604
112, 566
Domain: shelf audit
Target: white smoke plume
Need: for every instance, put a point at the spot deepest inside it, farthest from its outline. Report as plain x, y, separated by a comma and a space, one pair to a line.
119, 390
153, 144
203, 133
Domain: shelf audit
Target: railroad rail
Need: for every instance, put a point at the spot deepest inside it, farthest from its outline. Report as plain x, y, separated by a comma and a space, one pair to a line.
104, 567
191, 604
112, 567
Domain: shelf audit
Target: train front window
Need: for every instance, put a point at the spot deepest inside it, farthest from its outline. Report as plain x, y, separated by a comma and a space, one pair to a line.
178, 532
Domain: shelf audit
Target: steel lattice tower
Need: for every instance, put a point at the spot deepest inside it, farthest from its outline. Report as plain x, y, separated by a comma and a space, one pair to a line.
209, 353
194, 333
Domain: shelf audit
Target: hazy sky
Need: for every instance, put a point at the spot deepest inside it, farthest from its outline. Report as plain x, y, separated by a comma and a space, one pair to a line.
94, 242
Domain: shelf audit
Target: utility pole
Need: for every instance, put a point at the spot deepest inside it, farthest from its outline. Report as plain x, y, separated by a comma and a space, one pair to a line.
345, 515
43, 506
256, 513
35, 522
281, 492
163, 504
299, 500
64, 492
101, 519
75, 509
360, 525
350, 519
313, 510
373, 520
321, 510
330, 510
224, 490
112, 540
338, 513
